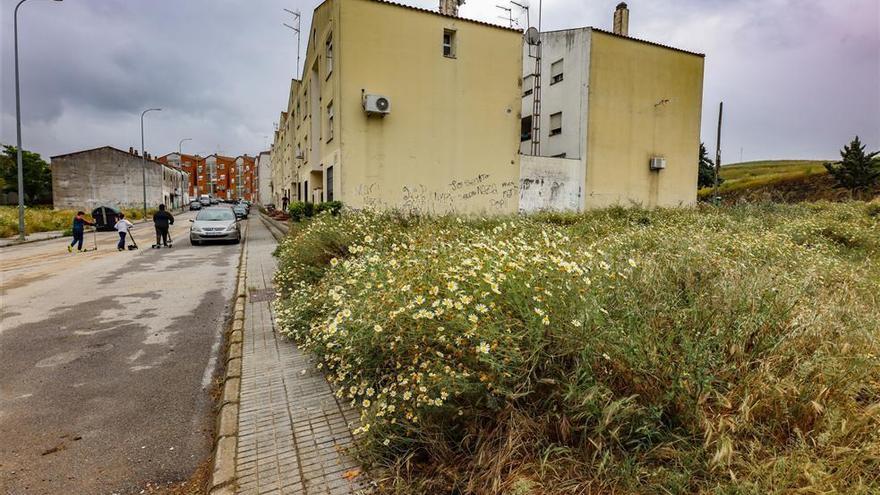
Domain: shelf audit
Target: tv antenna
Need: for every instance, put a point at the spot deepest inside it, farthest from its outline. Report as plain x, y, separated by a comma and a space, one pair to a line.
509, 17
298, 18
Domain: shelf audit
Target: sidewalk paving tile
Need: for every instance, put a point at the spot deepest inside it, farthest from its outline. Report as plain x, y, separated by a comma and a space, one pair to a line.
292, 430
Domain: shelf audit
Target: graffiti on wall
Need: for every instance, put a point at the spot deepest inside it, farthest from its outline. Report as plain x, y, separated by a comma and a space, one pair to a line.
549, 184
474, 194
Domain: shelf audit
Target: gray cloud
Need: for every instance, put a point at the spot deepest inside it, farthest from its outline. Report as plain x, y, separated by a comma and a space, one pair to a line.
799, 77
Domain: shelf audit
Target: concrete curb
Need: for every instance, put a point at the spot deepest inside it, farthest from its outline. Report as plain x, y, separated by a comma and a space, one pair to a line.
226, 437
30, 241
276, 228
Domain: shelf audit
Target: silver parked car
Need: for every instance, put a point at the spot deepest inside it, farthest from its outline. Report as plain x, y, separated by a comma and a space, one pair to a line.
214, 224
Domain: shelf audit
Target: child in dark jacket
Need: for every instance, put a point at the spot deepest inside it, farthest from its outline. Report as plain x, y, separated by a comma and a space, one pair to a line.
79, 226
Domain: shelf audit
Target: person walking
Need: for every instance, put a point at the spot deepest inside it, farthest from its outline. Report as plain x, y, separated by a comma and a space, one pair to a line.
79, 225
122, 226
162, 220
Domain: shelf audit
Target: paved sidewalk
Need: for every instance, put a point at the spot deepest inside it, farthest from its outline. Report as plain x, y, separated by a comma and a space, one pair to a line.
292, 431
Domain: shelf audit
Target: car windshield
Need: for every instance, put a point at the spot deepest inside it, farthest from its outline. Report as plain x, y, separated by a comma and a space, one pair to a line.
215, 215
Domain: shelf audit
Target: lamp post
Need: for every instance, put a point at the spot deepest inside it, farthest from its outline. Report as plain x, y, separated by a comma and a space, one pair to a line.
181, 144
180, 155
144, 157
18, 153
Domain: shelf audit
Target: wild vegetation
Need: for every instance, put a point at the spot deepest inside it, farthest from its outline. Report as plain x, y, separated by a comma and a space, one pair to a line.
711, 350
45, 219
750, 175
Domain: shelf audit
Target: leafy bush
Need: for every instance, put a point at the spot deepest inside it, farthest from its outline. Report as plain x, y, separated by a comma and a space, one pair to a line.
299, 210
334, 207
723, 350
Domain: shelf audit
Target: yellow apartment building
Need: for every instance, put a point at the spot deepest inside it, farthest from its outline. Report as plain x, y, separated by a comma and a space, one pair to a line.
401, 107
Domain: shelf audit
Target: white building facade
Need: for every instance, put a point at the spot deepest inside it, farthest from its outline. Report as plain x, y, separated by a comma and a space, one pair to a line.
264, 178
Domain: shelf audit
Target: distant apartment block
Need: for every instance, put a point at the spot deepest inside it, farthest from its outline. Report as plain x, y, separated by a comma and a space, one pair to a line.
620, 116
192, 165
401, 107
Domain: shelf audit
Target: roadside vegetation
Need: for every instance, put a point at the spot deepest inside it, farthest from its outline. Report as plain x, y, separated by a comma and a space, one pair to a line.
708, 350
45, 219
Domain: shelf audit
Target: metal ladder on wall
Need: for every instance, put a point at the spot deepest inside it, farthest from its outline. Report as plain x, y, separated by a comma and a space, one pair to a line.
536, 104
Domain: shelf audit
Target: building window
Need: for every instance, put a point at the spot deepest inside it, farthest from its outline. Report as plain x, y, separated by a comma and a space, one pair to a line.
556, 72
449, 43
561, 155
330, 122
528, 84
328, 53
306, 192
556, 124
525, 133
329, 183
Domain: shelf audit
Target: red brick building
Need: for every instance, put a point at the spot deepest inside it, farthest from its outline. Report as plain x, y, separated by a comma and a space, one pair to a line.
223, 177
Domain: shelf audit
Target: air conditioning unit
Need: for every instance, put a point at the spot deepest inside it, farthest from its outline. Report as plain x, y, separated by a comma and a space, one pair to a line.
658, 163
377, 104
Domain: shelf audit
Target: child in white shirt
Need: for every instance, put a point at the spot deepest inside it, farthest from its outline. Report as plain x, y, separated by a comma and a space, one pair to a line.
122, 226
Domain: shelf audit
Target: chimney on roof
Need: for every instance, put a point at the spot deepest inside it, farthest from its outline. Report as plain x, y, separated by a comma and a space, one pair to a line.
131, 150
450, 7
621, 20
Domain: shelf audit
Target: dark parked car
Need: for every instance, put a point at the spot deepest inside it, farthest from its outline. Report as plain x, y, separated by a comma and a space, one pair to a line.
240, 211
195, 205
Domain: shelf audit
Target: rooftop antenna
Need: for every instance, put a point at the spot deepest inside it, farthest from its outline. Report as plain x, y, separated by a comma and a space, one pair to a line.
509, 17
298, 18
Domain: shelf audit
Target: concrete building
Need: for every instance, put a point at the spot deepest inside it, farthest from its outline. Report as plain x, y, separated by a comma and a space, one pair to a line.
108, 176
620, 116
425, 118
263, 169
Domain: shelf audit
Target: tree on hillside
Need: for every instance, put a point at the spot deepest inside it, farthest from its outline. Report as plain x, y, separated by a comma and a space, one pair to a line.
857, 171
706, 176
37, 175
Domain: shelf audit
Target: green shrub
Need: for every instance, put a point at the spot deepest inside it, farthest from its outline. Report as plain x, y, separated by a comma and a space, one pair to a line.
299, 210
716, 350
334, 207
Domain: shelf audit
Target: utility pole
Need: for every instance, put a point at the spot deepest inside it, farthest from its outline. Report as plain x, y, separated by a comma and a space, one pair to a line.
298, 18
18, 152
715, 198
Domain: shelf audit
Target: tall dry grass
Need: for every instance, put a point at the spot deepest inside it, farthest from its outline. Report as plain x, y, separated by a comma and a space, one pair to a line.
620, 351
45, 219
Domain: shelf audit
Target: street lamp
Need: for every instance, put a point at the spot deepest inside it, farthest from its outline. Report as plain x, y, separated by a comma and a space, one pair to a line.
18, 157
181, 144
144, 157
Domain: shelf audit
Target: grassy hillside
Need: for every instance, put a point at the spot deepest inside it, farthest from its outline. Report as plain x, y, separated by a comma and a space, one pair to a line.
738, 176
705, 350
787, 181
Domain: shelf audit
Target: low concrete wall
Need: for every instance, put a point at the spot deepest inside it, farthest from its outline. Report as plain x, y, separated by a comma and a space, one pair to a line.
550, 184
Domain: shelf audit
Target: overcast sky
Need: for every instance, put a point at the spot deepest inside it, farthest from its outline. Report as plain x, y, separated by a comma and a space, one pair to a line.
799, 78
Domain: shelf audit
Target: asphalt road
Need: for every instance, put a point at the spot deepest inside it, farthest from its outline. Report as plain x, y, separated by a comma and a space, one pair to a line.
107, 360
